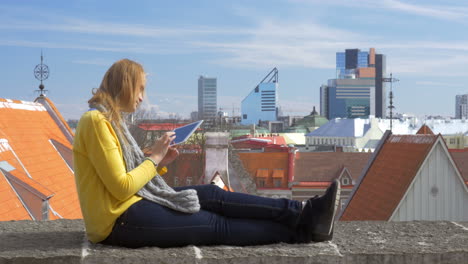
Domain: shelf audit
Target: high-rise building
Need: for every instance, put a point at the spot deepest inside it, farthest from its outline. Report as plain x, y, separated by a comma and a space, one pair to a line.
262, 102
324, 100
207, 99
358, 90
461, 106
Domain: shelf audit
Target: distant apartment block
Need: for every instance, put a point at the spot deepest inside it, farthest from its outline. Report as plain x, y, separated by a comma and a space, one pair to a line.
350, 135
461, 106
262, 102
207, 98
357, 134
324, 100
358, 90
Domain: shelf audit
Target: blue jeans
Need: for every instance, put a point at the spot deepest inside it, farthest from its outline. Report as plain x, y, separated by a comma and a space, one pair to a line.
226, 218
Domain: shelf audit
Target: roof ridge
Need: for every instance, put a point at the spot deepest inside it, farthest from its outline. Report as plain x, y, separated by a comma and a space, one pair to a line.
21, 105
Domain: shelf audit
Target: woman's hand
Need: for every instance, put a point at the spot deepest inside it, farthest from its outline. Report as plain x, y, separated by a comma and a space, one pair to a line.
171, 155
161, 146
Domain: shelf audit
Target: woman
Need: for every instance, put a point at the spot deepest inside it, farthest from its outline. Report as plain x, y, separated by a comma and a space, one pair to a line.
125, 201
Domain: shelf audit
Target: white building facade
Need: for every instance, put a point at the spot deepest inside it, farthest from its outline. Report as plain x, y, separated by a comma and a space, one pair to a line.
437, 192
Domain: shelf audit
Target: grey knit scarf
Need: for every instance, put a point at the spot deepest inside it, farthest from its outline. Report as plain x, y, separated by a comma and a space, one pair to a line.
155, 190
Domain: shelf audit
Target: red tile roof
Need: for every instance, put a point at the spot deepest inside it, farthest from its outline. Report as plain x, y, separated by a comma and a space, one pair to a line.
30, 131
55, 112
271, 144
266, 164
187, 165
383, 184
424, 130
161, 126
325, 166
11, 207
218, 181
460, 157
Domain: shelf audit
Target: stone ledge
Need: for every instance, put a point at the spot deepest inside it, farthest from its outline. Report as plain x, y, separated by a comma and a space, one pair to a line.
63, 241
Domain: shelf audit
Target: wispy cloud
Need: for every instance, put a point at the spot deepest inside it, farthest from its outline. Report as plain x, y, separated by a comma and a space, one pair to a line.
105, 28
440, 12
438, 84
98, 62
271, 42
57, 45
447, 66
103, 45
444, 12
267, 42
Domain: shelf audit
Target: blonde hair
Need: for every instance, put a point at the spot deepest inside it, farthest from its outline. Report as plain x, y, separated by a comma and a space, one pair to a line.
118, 88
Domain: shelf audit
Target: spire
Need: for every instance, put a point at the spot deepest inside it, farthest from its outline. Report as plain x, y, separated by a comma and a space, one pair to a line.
314, 112
41, 72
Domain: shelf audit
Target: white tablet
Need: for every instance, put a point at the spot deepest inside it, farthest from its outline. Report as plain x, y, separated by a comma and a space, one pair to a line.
184, 132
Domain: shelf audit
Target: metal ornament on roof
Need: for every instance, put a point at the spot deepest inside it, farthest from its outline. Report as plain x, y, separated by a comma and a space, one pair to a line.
391, 80
41, 72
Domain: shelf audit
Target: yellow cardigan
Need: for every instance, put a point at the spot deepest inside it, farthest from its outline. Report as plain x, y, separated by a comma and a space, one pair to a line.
105, 188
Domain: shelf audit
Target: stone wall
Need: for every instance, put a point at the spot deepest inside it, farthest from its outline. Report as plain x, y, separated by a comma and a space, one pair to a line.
63, 241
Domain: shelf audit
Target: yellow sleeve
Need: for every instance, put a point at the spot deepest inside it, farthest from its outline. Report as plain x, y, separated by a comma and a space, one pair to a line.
105, 154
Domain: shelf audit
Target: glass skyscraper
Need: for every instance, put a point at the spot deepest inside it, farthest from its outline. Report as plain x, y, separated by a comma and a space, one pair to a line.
461, 106
351, 98
207, 99
262, 102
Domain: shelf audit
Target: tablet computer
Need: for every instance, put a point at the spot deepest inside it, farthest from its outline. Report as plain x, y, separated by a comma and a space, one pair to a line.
184, 132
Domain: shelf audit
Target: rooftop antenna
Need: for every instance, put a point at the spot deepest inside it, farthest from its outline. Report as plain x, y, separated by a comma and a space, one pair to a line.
41, 72
391, 80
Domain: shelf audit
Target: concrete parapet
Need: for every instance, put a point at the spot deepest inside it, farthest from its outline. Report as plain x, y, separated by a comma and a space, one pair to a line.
63, 241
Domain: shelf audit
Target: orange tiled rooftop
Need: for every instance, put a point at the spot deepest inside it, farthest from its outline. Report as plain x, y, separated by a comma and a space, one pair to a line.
35, 162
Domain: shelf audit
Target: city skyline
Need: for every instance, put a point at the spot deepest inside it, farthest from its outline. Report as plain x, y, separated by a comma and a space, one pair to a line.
236, 43
359, 89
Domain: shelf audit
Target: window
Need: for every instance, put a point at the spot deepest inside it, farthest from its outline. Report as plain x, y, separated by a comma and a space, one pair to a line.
452, 141
176, 181
277, 183
64, 151
256, 89
244, 116
343, 202
345, 181
188, 181
261, 182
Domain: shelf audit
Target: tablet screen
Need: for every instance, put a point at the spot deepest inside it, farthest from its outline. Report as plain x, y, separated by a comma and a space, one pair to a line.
184, 132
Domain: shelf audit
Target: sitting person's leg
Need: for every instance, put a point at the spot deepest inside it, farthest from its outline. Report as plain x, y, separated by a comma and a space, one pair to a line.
241, 205
149, 224
315, 221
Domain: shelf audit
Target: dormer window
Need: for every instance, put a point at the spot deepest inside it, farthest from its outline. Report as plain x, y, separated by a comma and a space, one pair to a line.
345, 181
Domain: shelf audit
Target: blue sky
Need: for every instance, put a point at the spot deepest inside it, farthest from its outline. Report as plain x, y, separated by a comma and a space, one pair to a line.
239, 42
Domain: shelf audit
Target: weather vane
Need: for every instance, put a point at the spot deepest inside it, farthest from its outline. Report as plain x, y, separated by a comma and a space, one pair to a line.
41, 72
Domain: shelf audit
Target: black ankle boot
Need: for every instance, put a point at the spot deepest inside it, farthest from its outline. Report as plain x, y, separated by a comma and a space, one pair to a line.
317, 217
